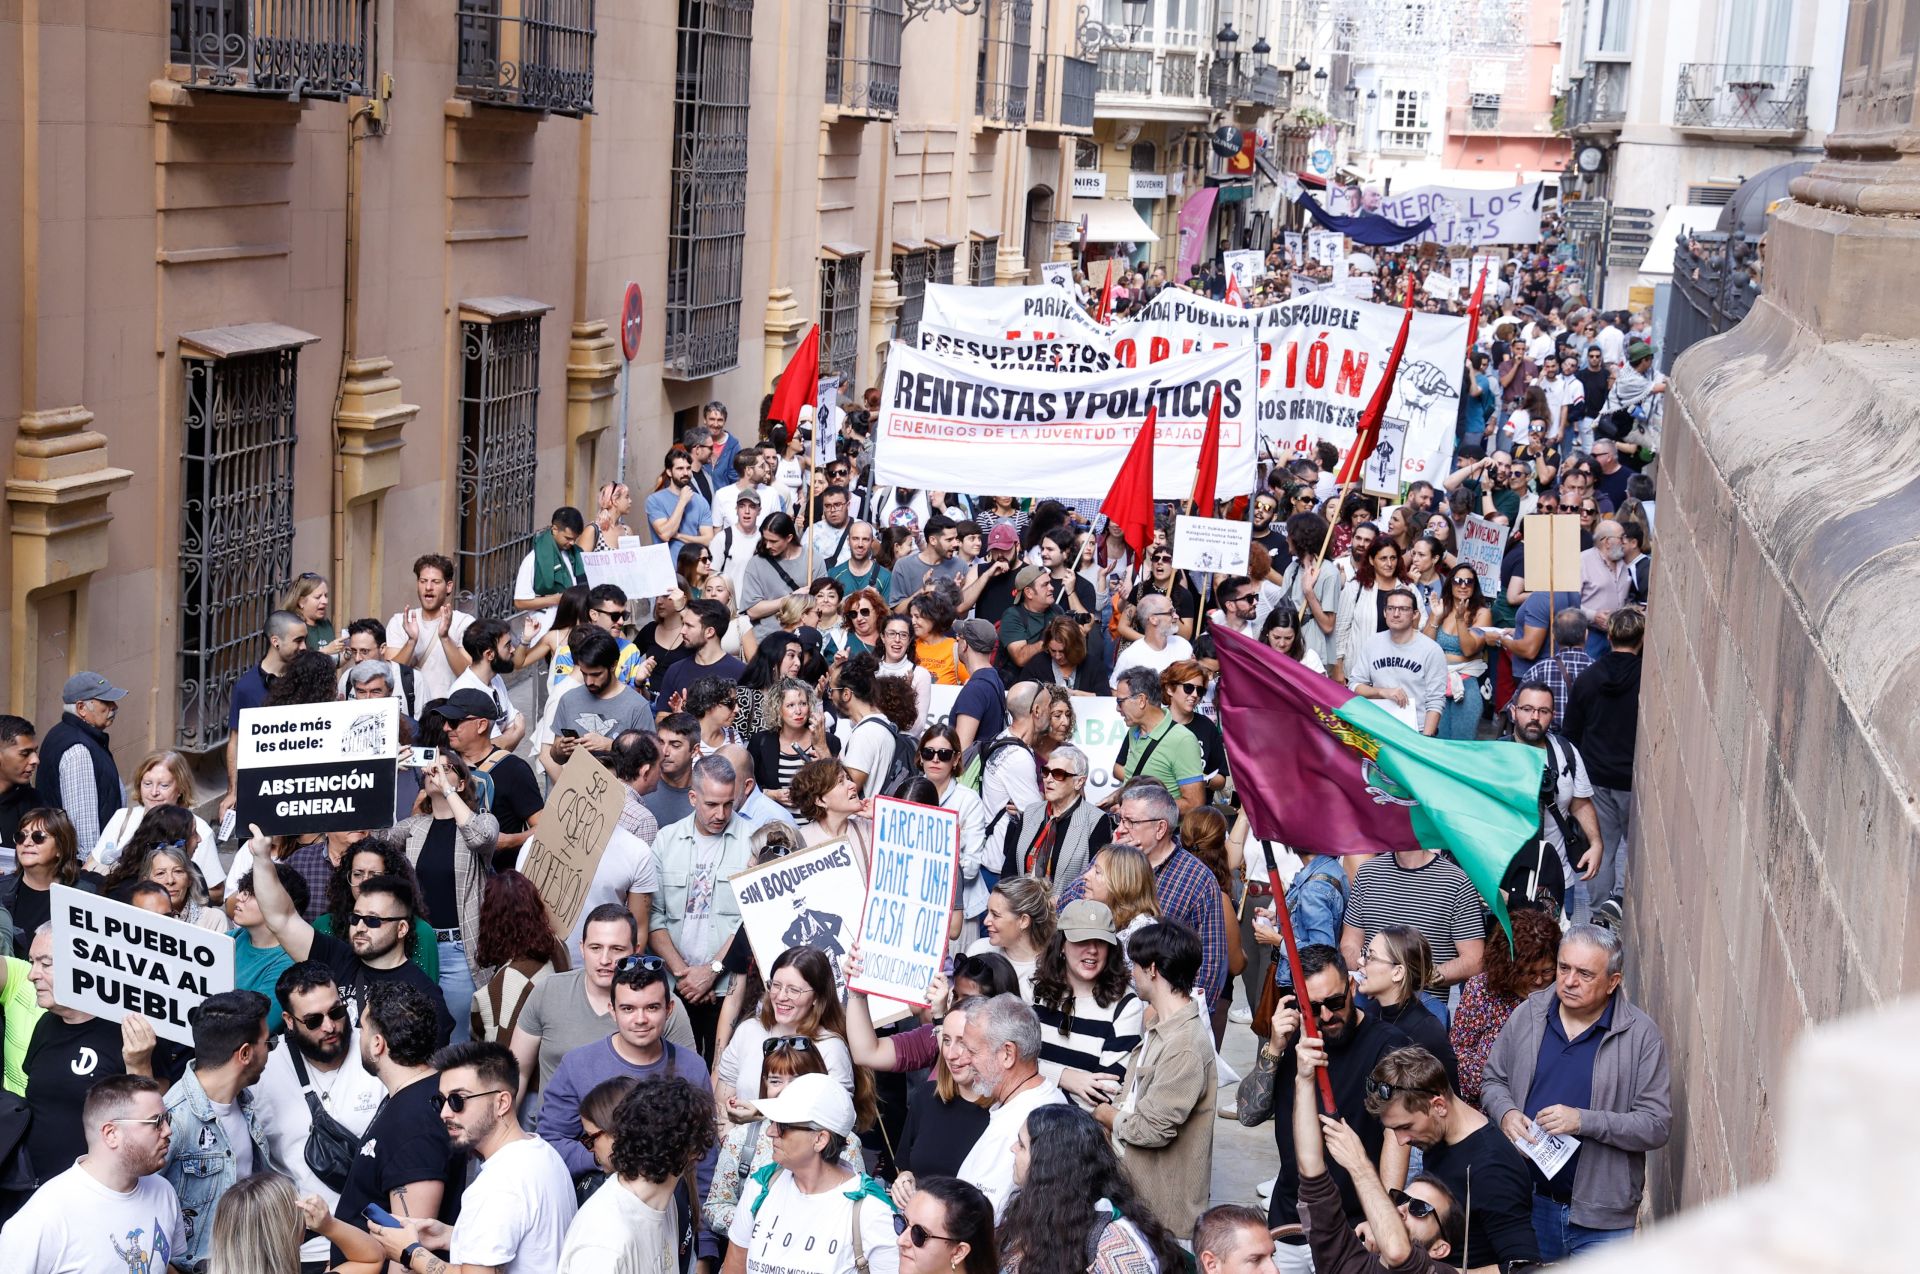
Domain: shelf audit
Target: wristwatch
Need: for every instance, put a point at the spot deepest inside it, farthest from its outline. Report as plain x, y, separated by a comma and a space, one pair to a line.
719, 967
406, 1254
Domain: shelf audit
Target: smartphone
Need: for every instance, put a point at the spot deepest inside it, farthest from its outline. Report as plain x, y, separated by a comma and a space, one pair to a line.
422, 758
569, 734
380, 1216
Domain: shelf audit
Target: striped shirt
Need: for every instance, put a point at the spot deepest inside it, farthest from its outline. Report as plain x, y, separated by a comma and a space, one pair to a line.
1095, 1039
1186, 890
1436, 899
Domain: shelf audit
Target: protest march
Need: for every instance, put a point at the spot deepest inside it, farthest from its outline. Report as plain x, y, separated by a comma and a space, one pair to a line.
1160, 720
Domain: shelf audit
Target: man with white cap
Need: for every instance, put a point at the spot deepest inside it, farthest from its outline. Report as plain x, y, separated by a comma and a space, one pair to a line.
77, 772
806, 1200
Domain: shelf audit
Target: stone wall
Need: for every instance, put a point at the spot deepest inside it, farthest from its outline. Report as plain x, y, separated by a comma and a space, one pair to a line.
1776, 839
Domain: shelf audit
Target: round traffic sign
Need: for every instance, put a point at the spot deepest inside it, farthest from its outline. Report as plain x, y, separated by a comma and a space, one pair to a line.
630, 322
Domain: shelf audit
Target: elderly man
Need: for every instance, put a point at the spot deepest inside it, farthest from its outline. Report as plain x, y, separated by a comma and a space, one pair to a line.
1605, 582
1157, 747
696, 913
1159, 645
1060, 835
1578, 1060
1000, 1053
77, 773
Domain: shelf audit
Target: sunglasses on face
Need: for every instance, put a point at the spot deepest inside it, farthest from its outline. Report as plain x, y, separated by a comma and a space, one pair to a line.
651, 963
1332, 1004
457, 1102
37, 838
1192, 687
586, 1138
916, 1234
1162, 559
373, 922
1418, 1209
312, 1021
618, 616
1059, 775
863, 612
936, 754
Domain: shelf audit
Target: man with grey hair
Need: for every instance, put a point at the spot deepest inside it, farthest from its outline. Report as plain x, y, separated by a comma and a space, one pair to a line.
1160, 642
1061, 834
1001, 1049
1578, 1060
370, 680
1157, 747
752, 806
1558, 670
696, 913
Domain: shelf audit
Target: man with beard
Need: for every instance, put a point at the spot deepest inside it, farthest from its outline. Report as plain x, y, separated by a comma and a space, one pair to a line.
319, 1071
514, 1217
1000, 1059
1355, 1043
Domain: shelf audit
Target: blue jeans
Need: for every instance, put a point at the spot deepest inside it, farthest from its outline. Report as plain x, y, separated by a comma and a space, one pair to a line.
1560, 1238
1437, 1001
456, 987
1462, 720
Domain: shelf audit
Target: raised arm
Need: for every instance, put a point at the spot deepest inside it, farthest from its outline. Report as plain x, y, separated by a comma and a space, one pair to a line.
283, 919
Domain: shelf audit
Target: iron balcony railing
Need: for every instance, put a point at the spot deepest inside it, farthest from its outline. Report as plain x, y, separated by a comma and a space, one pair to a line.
531, 54
279, 48
1598, 99
1505, 120
1004, 76
863, 56
1267, 87
1063, 89
1128, 71
1741, 95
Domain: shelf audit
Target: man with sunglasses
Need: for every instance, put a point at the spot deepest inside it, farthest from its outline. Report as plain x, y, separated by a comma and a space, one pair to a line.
1409, 1093
1162, 581
320, 1055
221, 1133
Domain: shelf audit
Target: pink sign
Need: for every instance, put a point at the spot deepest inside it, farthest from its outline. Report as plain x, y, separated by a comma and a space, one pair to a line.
1194, 215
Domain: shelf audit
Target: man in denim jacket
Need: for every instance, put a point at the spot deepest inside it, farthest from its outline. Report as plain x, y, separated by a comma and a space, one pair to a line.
217, 1138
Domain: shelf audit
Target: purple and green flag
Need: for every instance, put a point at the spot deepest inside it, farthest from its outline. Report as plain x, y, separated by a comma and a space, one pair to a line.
1328, 772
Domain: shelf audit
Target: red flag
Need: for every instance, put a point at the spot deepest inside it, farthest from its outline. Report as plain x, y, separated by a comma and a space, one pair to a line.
1130, 503
1234, 297
1209, 471
1106, 293
1369, 428
1473, 309
800, 383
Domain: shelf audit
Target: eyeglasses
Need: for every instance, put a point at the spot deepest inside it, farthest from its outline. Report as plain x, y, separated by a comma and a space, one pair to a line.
1191, 687
1059, 775
457, 1102
936, 754
917, 1234
37, 838
1336, 1003
774, 1043
1418, 1209
161, 1120
584, 1137
373, 922
864, 612
312, 1021
1124, 821
620, 616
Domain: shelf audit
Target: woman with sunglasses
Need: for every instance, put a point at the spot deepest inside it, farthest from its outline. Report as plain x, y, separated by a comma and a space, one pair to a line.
863, 611
1019, 924
1462, 609
1184, 685
747, 1146
309, 598
596, 1127
663, 640
946, 1227
47, 855
940, 764
830, 806
693, 567
518, 942
1075, 1199
1059, 836
899, 657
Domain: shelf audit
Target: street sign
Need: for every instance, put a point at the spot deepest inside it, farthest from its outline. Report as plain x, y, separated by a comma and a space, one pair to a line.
632, 317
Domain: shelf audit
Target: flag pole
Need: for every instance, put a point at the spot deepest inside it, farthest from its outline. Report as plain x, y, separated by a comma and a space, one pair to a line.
1308, 1028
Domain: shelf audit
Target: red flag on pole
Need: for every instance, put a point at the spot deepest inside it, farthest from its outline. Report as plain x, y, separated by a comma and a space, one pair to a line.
1130, 504
1234, 296
800, 383
1106, 294
1473, 309
1209, 472
1369, 429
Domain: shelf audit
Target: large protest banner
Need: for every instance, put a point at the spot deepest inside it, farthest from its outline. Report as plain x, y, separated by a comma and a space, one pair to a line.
111, 959
564, 850
1470, 218
317, 767
1065, 352
910, 895
1046, 434
1039, 312
1321, 359
1482, 546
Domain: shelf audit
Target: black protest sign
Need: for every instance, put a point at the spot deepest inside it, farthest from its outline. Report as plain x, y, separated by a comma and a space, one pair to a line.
318, 767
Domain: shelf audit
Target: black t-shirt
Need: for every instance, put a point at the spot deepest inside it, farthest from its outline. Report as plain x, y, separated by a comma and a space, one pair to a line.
997, 595
435, 870
1186, 603
14, 803
516, 793
1423, 1028
354, 977
1213, 748
662, 657
63, 1061
31, 909
1502, 1212
405, 1144
1348, 1066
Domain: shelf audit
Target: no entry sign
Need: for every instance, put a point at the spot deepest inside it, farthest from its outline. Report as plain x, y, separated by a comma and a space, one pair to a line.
632, 318
320, 767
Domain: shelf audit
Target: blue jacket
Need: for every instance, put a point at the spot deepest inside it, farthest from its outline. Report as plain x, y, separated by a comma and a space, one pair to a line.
200, 1164
1316, 902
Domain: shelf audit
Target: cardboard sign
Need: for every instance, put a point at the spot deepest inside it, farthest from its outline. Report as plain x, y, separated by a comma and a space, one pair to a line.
1326, 246
1099, 731
111, 959
1552, 560
1381, 474
911, 892
1246, 266
564, 850
642, 573
317, 767
810, 899
1218, 546
1482, 546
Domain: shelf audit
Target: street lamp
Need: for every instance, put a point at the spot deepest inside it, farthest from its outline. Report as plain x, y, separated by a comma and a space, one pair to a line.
1094, 35
1226, 37
1261, 48
1320, 83
1302, 67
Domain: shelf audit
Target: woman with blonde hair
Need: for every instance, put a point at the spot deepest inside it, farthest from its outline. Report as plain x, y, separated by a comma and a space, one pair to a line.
1053, 705
161, 778
793, 732
1020, 921
1397, 974
611, 506
309, 598
259, 1223
739, 639
1122, 877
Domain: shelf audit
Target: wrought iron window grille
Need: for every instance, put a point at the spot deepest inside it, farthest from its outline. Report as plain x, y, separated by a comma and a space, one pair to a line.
499, 412
840, 315
707, 220
278, 48
531, 54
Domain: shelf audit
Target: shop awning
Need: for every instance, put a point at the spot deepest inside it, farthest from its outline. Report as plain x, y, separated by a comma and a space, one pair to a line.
1113, 221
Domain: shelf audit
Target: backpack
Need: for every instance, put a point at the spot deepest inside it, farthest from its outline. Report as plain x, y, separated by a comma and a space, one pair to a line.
900, 770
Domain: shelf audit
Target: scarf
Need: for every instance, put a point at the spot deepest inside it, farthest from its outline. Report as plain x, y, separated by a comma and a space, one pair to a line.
551, 566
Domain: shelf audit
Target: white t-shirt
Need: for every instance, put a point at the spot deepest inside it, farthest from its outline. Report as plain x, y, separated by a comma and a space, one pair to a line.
432, 674
1562, 391
795, 1233
126, 821
1141, 655
740, 1061
516, 1213
627, 867
1023, 969
233, 1122
870, 750
495, 690
615, 1233
75, 1225
347, 1093
989, 1165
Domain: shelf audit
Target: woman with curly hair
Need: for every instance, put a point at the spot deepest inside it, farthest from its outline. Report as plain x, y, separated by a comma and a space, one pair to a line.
1054, 706
311, 677
1511, 972
1090, 1018
829, 804
714, 703
897, 659
1075, 1198
518, 942
167, 863
934, 646
793, 731
366, 858
1019, 925
777, 660
661, 1130
802, 1003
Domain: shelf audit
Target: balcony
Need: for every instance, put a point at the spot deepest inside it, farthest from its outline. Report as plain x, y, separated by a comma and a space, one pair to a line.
1741, 101
1502, 121
1404, 141
863, 56
1003, 81
1597, 101
1063, 89
534, 55
1153, 82
276, 48
1268, 87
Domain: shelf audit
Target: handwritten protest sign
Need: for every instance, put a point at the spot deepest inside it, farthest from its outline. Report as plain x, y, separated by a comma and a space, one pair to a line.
910, 894
642, 572
1482, 546
809, 899
111, 959
1219, 546
561, 855
317, 767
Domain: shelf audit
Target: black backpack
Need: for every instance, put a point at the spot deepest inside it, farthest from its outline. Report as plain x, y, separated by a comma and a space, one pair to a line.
900, 770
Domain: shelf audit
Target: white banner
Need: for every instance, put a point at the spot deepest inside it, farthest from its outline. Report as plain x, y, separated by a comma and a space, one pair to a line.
911, 891
111, 959
1219, 546
1045, 434
1042, 311
1321, 359
1100, 732
1470, 218
1066, 352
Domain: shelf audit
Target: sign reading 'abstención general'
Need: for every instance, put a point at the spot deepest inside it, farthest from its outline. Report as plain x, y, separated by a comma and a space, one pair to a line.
320, 767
